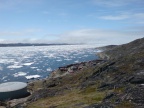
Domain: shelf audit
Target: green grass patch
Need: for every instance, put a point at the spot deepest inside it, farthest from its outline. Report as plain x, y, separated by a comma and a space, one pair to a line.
70, 99
126, 105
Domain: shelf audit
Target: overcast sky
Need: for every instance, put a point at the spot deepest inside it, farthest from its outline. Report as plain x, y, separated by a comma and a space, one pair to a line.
101, 22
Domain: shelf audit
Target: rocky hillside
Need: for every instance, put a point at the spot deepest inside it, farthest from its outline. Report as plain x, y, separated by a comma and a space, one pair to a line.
128, 56
109, 47
130, 49
117, 81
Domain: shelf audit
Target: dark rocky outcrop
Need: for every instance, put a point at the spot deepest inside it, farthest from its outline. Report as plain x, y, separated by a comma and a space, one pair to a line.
137, 79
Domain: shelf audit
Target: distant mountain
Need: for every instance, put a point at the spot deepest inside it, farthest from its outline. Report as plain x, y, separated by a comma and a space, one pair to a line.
29, 44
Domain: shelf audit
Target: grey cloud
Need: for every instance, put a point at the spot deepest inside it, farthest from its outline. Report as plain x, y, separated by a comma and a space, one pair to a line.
97, 36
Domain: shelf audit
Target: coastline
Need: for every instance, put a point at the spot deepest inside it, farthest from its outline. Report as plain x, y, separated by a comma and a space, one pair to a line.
73, 68
115, 81
112, 83
103, 55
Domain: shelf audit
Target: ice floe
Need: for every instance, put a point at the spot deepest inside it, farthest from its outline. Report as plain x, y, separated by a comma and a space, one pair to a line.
76, 61
68, 59
49, 69
58, 60
14, 66
28, 64
32, 76
4, 77
19, 74
33, 67
1, 68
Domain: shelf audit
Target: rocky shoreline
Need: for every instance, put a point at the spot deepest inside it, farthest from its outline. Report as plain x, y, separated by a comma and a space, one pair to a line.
73, 68
115, 81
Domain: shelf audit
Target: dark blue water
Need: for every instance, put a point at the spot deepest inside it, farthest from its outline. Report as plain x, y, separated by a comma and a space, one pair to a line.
22, 63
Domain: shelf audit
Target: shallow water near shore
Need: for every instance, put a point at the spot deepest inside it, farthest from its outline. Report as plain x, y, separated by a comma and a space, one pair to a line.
26, 63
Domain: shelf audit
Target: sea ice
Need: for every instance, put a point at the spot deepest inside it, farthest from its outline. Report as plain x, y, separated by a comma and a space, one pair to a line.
43, 58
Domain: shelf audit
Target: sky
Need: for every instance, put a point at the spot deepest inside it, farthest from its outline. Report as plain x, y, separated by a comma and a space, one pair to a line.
101, 22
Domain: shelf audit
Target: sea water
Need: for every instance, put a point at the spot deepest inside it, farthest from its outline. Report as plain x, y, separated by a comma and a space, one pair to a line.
25, 63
